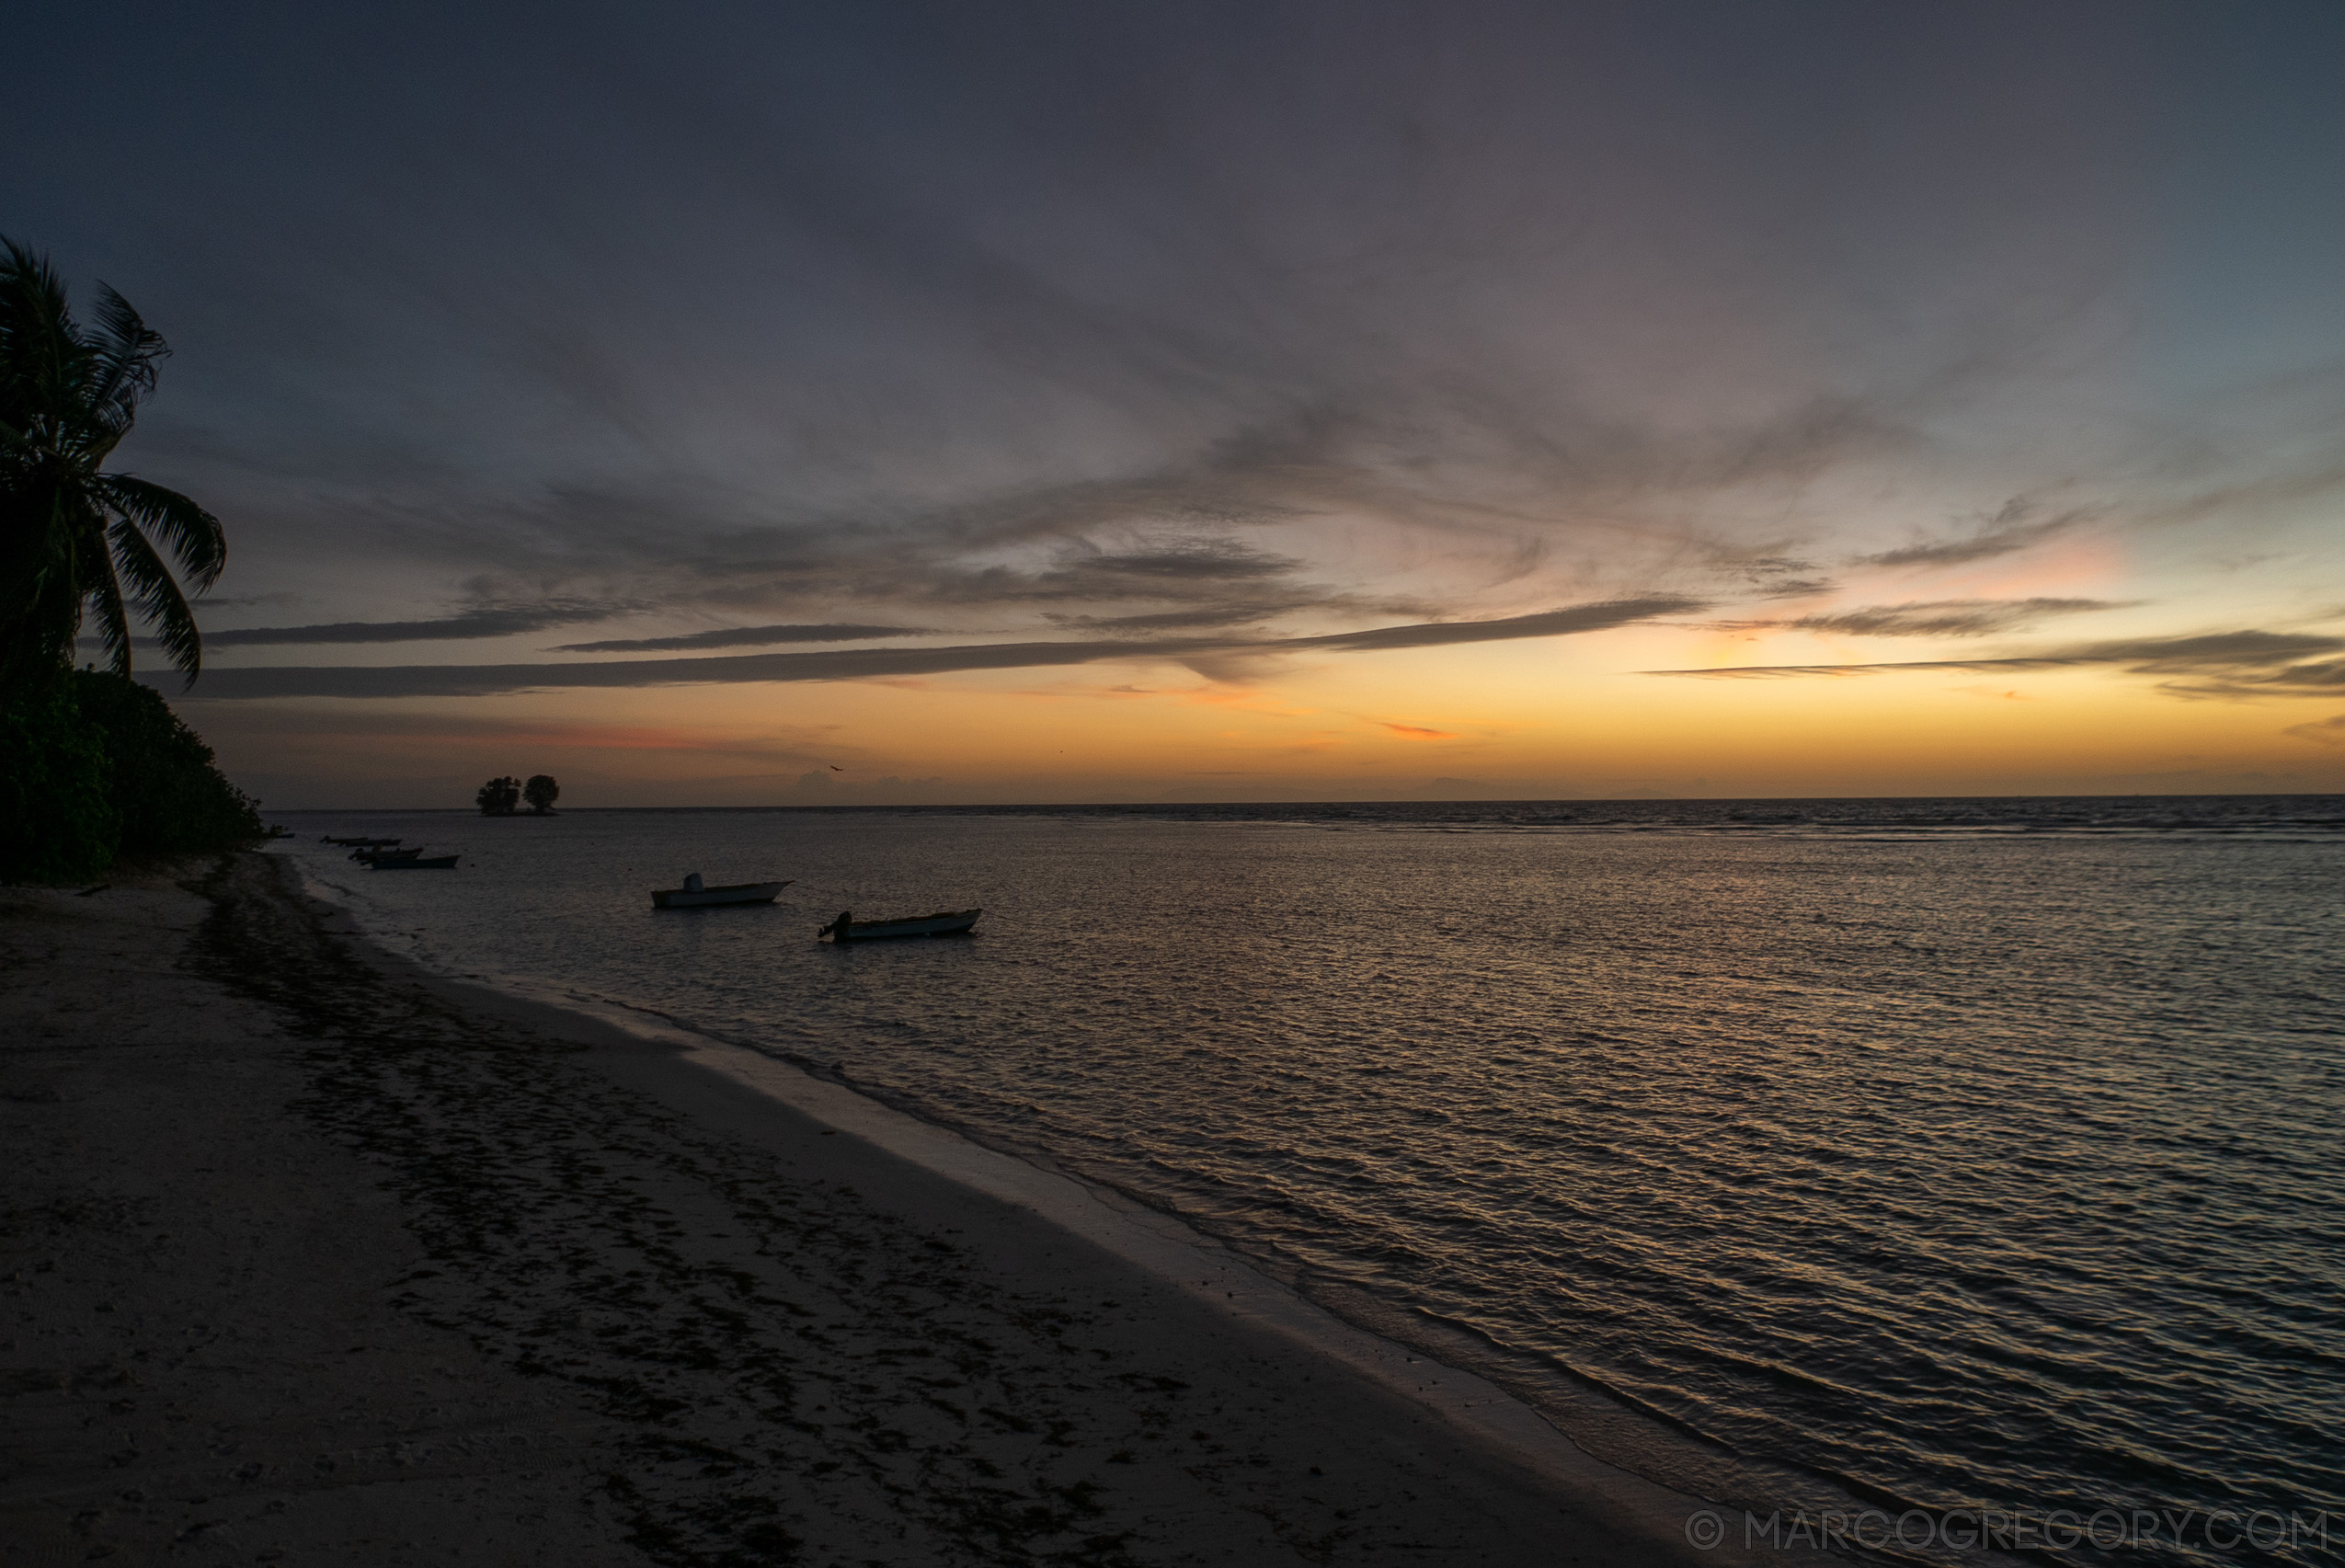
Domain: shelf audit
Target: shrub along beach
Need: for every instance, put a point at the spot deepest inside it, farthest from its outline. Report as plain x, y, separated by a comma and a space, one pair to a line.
101, 769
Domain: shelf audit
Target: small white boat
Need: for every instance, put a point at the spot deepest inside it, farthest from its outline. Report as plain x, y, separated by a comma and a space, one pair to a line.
846, 928
697, 895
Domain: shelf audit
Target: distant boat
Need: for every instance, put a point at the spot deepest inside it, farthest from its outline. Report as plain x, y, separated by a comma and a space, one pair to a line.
414, 863
364, 843
383, 856
697, 895
846, 928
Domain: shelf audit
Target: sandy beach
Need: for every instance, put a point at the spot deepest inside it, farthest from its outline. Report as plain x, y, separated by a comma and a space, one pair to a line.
309, 1258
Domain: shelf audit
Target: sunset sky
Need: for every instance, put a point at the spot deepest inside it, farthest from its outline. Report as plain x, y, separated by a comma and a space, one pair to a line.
782, 404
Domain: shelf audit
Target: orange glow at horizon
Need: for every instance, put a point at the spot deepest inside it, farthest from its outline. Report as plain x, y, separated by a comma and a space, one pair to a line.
1559, 717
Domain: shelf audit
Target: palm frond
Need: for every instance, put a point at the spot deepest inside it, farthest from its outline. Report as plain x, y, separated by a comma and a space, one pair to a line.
160, 604
41, 597
194, 535
73, 540
43, 356
122, 355
99, 585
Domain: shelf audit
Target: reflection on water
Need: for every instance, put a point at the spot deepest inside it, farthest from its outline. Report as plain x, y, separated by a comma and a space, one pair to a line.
1968, 1152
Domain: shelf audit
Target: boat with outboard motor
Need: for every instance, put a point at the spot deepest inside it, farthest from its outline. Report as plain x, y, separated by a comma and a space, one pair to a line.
950, 922
697, 895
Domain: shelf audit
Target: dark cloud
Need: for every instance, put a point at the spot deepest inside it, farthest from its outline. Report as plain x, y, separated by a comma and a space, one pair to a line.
249, 600
2017, 527
473, 681
1547, 624
1187, 560
2219, 664
744, 636
497, 621
1934, 618
1768, 575
1179, 620
2317, 678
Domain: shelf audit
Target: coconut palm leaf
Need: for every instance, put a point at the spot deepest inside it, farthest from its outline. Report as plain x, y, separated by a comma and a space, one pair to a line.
40, 596
122, 358
37, 343
103, 591
194, 535
74, 539
160, 604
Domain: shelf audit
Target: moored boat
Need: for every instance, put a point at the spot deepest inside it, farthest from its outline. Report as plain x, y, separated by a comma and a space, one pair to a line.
697, 895
950, 922
364, 843
414, 863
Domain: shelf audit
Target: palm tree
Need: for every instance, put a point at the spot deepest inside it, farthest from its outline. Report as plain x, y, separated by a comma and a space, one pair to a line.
73, 537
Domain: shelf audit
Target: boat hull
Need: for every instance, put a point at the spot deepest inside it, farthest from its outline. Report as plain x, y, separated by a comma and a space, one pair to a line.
954, 923
437, 863
712, 897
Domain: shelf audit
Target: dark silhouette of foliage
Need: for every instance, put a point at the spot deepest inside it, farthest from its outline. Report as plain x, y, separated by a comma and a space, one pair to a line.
540, 792
73, 537
499, 798
57, 818
99, 767
169, 796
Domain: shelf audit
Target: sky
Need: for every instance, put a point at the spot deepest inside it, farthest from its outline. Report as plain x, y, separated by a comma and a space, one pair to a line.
862, 402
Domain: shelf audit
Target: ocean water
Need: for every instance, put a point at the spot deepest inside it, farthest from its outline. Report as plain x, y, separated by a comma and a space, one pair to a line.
1921, 1153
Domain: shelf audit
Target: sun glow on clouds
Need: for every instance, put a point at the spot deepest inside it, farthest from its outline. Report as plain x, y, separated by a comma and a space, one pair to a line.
1534, 728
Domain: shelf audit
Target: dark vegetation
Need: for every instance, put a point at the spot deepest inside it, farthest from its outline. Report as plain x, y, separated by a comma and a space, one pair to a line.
92, 765
97, 767
503, 798
72, 536
499, 797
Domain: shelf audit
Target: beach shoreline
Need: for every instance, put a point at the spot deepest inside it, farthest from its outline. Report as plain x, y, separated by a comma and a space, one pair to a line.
747, 1314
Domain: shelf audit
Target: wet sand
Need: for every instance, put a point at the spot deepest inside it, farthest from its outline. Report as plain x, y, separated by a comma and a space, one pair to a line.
306, 1257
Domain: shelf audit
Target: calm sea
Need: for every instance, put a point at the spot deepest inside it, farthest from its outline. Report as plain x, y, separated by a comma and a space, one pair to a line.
1976, 1153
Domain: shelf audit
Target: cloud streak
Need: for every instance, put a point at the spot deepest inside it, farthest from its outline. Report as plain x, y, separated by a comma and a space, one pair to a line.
2321, 732
478, 681
2010, 530
503, 621
1933, 618
2219, 664
743, 637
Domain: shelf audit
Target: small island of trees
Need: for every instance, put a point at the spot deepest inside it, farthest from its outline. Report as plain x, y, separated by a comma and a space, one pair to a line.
505, 796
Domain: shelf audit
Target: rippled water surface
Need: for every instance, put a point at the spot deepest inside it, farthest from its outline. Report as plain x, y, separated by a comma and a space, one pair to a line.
1943, 1153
